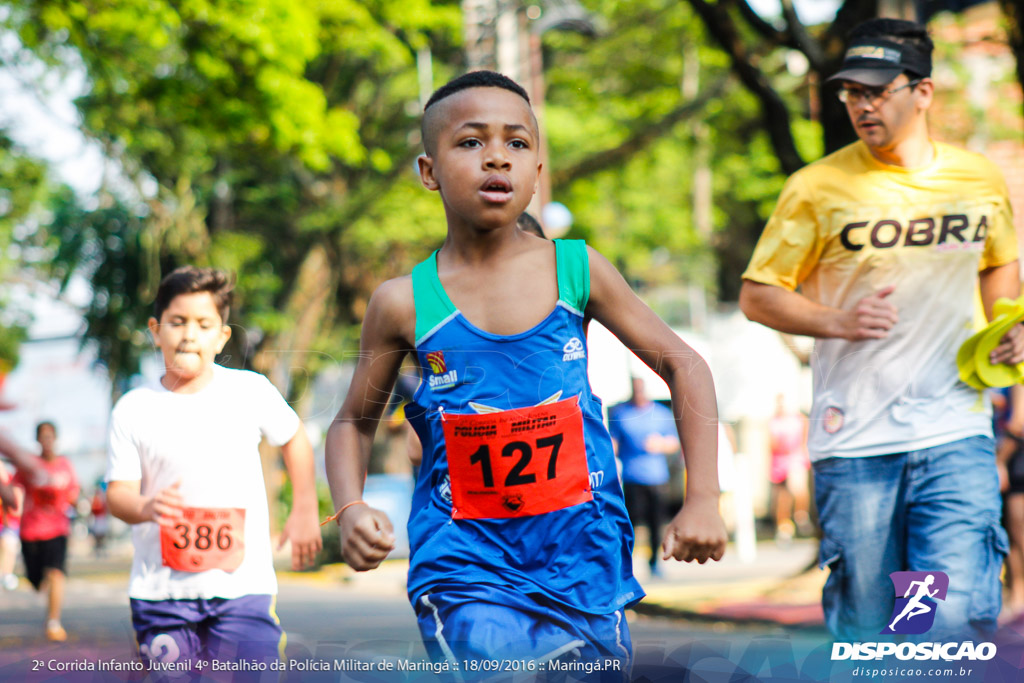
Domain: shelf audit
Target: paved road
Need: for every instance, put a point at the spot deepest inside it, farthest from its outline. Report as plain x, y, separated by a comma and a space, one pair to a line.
337, 616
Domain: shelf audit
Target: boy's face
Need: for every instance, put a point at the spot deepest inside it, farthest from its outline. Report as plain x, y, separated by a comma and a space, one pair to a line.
486, 158
190, 334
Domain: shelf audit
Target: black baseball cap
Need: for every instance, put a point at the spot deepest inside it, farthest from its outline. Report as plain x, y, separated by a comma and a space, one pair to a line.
877, 61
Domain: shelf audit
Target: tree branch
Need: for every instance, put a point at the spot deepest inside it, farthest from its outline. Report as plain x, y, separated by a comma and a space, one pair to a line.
766, 29
636, 142
1013, 10
775, 114
803, 41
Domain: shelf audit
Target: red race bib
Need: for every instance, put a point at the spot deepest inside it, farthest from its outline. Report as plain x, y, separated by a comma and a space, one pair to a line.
204, 538
517, 463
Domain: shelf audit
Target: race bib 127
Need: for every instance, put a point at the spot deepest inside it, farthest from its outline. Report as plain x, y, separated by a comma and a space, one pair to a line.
517, 463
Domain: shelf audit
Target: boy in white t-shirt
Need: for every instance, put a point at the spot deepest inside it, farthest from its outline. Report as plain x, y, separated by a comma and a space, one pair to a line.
184, 469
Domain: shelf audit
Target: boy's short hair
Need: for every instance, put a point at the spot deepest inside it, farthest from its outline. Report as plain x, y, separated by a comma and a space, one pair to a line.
42, 425
190, 280
472, 79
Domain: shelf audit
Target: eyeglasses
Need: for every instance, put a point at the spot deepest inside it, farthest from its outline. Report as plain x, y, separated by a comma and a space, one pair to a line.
872, 95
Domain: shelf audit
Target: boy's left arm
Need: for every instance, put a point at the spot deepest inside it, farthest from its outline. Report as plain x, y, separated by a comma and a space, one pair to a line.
303, 525
697, 532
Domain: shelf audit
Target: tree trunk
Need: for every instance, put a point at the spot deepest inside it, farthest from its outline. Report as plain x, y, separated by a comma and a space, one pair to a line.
287, 353
1014, 11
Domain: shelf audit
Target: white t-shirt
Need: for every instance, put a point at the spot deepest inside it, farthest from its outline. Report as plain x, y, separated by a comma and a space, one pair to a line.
209, 441
848, 225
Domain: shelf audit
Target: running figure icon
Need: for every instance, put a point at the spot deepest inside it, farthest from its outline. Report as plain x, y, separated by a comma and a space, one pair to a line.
914, 606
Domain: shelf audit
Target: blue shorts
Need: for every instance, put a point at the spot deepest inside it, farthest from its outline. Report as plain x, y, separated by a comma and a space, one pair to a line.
244, 628
936, 509
493, 631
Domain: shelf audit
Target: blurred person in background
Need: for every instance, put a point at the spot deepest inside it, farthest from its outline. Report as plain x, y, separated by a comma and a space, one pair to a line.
1008, 424
10, 522
51, 489
644, 434
787, 436
528, 223
99, 518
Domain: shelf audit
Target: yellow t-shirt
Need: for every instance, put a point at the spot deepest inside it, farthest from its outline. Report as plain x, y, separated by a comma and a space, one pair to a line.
848, 225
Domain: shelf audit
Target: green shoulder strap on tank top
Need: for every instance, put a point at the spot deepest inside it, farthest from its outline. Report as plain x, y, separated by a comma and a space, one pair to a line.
433, 307
573, 265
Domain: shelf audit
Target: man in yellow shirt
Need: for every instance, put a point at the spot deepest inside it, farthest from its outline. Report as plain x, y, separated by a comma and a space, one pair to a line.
888, 241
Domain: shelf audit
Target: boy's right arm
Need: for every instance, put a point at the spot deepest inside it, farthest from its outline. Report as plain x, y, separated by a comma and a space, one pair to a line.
129, 505
387, 336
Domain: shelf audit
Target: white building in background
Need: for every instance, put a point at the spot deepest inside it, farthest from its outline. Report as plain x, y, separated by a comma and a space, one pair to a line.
57, 380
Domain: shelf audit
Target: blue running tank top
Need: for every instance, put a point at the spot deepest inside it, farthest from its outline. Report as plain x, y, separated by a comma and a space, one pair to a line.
518, 485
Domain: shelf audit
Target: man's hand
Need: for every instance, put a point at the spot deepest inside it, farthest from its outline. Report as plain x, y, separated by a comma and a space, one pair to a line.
303, 530
1011, 347
165, 507
696, 533
366, 537
871, 318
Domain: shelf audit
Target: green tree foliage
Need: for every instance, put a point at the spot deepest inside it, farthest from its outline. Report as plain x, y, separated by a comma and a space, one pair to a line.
629, 129
24, 189
279, 138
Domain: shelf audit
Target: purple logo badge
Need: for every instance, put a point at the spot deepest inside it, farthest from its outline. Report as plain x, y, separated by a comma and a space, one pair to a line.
916, 596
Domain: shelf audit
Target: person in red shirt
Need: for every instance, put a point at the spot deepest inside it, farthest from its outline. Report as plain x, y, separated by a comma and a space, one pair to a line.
10, 520
51, 487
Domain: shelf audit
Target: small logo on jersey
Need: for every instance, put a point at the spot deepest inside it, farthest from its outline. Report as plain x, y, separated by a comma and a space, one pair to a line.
437, 364
833, 419
914, 612
596, 479
444, 489
442, 377
513, 502
573, 350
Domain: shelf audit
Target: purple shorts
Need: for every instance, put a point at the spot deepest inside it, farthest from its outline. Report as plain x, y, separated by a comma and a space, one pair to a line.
179, 631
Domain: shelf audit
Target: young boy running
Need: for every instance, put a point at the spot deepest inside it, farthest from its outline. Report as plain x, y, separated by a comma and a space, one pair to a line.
184, 469
520, 542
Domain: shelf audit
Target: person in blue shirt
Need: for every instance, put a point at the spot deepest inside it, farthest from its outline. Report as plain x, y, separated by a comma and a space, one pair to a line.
644, 433
520, 545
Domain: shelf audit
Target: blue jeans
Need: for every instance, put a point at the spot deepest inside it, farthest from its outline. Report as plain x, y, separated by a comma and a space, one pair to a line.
936, 509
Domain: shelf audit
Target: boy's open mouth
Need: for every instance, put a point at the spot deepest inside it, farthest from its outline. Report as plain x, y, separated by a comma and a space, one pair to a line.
496, 188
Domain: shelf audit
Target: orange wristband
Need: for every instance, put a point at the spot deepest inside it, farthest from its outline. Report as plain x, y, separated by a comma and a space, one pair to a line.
337, 515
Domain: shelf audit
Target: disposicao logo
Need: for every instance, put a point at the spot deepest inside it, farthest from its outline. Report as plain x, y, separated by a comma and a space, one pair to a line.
916, 596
